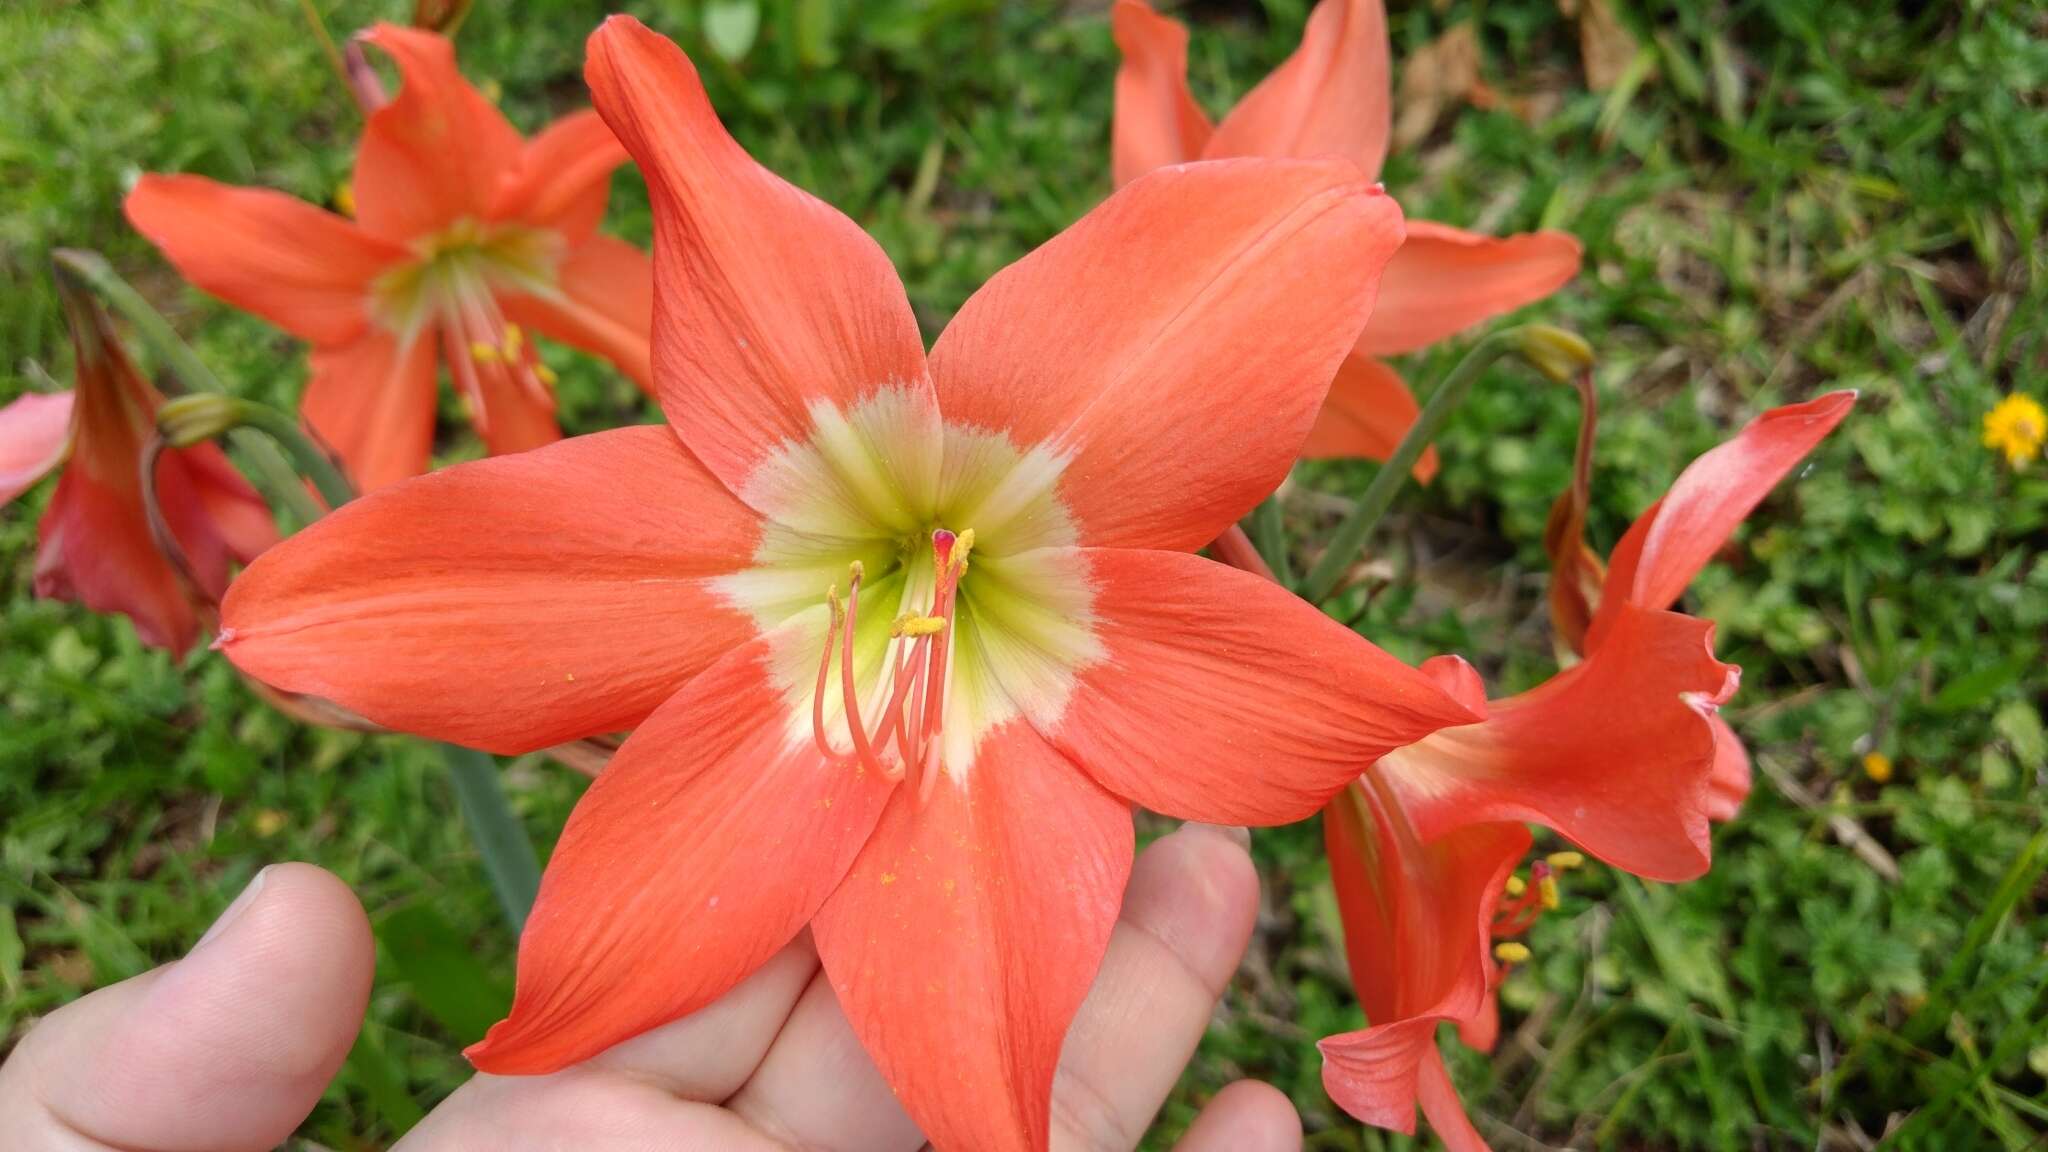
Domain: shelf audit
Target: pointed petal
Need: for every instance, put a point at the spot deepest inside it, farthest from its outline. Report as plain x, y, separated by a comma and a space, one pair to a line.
1728, 786
1175, 344
35, 431
1365, 415
96, 551
372, 402
604, 305
1668, 545
1218, 696
437, 151
1157, 120
708, 843
1331, 96
583, 569
966, 935
1446, 1113
515, 419
302, 268
767, 300
1614, 753
562, 177
1444, 280
1416, 933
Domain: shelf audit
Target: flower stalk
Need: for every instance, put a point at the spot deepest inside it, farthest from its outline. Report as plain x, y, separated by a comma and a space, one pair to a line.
1559, 355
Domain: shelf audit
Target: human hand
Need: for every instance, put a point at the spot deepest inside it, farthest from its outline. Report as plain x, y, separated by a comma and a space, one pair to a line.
230, 1048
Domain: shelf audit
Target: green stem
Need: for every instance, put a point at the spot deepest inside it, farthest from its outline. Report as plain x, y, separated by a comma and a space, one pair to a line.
272, 472
1559, 355
1270, 534
1350, 536
311, 460
500, 838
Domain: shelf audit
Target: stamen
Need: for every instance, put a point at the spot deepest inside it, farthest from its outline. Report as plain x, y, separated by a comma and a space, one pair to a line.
1509, 952
917, 626
856, 726
824, 667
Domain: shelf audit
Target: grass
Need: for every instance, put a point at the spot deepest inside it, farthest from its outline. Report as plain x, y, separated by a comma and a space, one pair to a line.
1785, 196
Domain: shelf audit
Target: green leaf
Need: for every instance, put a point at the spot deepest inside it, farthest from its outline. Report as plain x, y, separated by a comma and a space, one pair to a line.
448, 981
2021, 727
1973, 688
730, 27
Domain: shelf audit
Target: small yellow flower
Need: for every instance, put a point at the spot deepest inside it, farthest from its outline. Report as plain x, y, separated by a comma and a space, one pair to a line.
2017, 427
1877, 766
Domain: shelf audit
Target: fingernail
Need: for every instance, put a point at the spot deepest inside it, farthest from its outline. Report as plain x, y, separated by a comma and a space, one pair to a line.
235, 909
1242, 836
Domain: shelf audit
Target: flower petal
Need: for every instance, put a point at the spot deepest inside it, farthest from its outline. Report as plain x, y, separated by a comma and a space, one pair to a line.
372, 402
515, 420
1175, 344
1614, 753
235, 510
1728, 786
1416, 933
767, 300
1668, 545
1444, 280
1365, 415
562, 177
967, 932
97, 551
1446, 1113
1157, 120
707, 844
1333, 95
1221, 697
302, 268
35, 432
604, 305
510, 603
437, 151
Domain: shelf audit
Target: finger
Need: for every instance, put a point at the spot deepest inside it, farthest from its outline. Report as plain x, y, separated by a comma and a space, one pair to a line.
1245, 1117
585, 1108
1186, 920
818, 1090
708, 1054
226, 1049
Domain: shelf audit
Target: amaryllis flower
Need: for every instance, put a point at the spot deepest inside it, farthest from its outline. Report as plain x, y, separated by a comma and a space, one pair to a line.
1333, 97
901, 637
1622, 753
1668, 545
96, 548
466, 240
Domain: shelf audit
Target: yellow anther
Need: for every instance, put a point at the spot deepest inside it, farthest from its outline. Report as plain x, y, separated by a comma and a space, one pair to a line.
515, 339
856, 571
918, 626
1565, 861
1511, 952
345, 199
962, 545
838, 607
483, 353
1546, 892
1517, 886
546, 374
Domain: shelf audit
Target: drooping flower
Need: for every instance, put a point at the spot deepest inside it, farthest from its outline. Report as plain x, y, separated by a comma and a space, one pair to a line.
96, 547
1622, 753
1668, 545
901, 637
1332, 96
466, 239
2017, 427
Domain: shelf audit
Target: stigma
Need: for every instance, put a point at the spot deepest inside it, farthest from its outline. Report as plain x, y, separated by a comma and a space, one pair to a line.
914, 679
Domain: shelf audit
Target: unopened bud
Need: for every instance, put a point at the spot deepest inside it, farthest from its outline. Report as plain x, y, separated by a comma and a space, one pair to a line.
187, 420
1558, 354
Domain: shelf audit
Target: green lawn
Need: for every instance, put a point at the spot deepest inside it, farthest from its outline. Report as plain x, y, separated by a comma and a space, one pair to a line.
1784, 196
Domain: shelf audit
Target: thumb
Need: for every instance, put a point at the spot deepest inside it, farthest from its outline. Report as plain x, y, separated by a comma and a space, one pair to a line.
224, 1050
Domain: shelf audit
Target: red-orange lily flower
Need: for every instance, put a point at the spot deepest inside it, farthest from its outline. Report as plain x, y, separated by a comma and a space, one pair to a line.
1332, 96
1668, 545
902, 637
1621, 753
464, 238
96, 548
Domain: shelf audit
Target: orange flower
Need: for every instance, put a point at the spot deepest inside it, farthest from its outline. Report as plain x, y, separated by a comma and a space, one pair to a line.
96, 548
465, 237
1332, 97
901, 637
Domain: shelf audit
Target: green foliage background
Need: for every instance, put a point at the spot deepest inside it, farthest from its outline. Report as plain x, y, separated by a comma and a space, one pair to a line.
1784, 196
